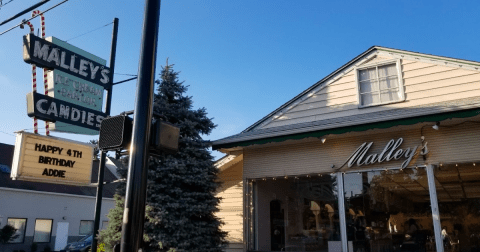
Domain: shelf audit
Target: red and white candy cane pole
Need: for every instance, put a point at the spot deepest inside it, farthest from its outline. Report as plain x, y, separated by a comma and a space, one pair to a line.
42, 21
34, 81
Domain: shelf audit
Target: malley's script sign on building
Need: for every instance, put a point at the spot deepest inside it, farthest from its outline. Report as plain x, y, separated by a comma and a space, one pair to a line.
51, 160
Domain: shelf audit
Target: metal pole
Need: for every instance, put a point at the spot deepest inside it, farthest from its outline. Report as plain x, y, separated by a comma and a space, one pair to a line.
437, 229
134, 212
341, 212
103, 154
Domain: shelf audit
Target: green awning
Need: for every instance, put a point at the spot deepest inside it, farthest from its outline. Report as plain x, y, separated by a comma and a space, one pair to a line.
355, 128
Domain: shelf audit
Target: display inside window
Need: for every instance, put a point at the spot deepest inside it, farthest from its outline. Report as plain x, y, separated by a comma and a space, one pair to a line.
298, 214
20, 226
86, 227
388, 211
43, 230
458, 194
379, 84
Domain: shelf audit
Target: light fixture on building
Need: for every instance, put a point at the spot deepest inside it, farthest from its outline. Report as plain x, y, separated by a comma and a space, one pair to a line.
274, 178
436, 126
323, 139
473, 164
441, 164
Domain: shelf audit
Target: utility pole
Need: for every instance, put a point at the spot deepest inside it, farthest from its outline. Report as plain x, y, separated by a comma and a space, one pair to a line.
135, 199
103, 154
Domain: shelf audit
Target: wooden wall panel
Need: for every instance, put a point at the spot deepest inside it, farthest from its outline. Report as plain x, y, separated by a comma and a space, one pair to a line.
458, 143
231, 205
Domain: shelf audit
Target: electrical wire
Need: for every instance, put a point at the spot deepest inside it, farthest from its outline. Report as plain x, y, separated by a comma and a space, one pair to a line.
25, 21
89, 31
125, 74
6, 133
5, 3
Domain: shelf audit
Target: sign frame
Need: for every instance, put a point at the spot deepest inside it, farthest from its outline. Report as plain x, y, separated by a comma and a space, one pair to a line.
20, 155
45, 54
53, 111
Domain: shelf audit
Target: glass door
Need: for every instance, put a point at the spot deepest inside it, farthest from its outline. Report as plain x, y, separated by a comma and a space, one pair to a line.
388, 211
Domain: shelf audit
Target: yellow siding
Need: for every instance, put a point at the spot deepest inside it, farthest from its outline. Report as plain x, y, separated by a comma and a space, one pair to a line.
308, 156
424, 83
231, 205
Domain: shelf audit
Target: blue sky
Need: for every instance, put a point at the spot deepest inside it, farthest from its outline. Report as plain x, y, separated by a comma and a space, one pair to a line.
241, 59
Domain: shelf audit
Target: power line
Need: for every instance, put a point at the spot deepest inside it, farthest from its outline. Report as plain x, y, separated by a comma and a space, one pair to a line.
24, 21
1, 5
89, 31
125, 74
6, 133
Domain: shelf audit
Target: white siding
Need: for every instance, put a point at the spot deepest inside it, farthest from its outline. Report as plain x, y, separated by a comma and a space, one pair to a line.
424, 83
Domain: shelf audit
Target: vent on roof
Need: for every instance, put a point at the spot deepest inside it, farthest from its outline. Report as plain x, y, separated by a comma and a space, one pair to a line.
4, 168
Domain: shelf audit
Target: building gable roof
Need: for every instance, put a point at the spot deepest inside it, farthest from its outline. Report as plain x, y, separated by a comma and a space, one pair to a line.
271, 125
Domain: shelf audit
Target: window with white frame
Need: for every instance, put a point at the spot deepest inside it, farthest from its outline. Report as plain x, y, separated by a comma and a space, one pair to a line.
380, 84
43, 230
20, 225
86, 227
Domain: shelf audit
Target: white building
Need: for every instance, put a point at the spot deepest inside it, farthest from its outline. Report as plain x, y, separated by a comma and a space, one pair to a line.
50, 214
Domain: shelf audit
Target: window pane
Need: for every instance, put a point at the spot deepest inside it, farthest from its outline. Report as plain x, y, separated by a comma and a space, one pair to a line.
458, 194
298, 214
104, 224
390, 82
391, 95
86, 227
368, 99
43, 229
387, 70
19, 225
367, 74
368, 86
388, 211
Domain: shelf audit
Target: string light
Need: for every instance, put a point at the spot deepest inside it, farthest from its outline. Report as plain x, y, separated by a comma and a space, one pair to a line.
441, 164
456, 165
286, 177
473, 164
274, 178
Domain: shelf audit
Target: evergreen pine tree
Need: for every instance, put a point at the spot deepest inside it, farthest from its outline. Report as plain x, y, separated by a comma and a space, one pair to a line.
181, 202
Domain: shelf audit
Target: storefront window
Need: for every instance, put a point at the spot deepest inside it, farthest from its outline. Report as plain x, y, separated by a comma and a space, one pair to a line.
458, 193
298, 214
388, 211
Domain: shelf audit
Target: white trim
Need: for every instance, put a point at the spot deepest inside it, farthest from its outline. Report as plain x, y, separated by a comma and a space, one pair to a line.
401, 89
52, 193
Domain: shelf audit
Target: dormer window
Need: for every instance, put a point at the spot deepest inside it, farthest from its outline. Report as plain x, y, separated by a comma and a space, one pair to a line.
380, 83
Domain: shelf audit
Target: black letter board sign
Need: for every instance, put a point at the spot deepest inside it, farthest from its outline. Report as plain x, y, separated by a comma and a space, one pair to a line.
52, 110
47, 55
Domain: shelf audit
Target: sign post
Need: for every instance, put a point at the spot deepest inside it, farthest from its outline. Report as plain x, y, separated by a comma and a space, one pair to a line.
134, 212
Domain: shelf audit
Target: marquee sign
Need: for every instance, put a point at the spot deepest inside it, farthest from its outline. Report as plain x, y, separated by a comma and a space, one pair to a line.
50, 109
48, 55
391, 152
51, 160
